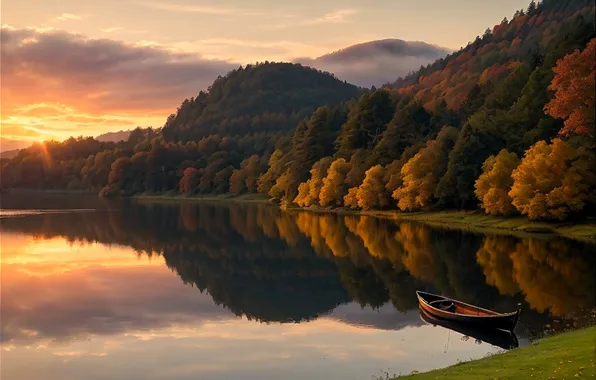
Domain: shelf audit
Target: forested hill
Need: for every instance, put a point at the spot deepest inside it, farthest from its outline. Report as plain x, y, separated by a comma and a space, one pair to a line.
256, 98
536, 36
505, 124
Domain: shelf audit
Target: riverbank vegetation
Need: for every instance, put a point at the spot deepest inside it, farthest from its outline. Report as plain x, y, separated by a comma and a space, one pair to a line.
505, 125
569, 355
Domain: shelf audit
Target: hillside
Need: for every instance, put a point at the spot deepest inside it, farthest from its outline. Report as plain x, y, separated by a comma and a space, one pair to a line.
113, 136
256, 98
505, 124
377, 62
541, 33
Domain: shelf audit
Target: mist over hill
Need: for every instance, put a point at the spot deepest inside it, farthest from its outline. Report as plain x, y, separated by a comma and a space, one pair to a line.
377, 62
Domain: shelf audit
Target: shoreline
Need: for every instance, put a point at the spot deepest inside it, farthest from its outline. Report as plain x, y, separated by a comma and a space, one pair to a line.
569, 355
461, 220
473, 221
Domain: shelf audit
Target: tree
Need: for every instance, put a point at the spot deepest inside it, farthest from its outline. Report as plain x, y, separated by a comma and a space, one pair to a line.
552, 181
494, 184
421, 173
267, 179
366, 122
575, 91
372, 192
309, 191
351, 198
245, 178
334, 187
189, 181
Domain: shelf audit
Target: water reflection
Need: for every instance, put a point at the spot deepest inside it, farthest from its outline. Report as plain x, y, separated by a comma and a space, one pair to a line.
73, 276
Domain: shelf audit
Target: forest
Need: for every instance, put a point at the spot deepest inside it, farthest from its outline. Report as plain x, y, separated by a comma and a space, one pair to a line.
505, 125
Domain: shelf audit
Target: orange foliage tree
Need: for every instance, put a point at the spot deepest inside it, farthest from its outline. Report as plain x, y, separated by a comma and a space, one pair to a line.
575, 91
494, 184
551, 181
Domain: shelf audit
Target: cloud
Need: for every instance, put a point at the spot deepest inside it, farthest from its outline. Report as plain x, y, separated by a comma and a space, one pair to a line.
120, 29
376, 62
174, 7
340, 16
99, 76
335, 17
112, 30
68, 17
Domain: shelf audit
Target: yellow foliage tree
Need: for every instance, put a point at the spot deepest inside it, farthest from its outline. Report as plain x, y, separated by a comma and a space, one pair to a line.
494, 184
351, 198
551, 181
309, 191
422, 172
334, 188
371, 193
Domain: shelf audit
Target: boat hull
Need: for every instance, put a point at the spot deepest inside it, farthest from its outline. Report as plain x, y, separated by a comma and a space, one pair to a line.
504, 339
468, 314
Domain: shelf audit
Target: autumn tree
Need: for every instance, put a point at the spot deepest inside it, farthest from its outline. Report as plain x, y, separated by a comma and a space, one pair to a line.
245, 178
276, 165
494, 184
309, 191
334, 188
422, 172
189, 181
351, 198
575, 91
371, 193
552, 181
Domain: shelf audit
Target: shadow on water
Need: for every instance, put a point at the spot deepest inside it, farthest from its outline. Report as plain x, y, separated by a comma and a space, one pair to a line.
275, 266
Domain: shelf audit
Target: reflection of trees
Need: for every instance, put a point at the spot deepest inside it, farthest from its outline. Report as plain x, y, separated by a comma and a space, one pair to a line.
494, 258
417, 253
555, 274
273, 265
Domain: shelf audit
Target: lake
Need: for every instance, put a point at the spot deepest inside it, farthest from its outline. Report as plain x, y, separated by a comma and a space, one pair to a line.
130, 289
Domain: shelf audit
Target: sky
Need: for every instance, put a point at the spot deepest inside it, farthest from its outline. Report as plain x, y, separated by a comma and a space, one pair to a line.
82, 67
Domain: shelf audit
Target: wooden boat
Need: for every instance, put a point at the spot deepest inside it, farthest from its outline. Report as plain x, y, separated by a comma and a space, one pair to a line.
453, 310
506, 340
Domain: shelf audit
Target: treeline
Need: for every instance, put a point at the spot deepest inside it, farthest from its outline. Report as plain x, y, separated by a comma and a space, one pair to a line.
506, 124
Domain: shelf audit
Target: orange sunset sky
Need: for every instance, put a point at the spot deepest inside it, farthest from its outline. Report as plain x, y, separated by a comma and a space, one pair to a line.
82, 67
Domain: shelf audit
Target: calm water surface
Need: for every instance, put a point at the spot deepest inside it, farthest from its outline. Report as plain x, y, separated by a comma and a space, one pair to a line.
93, 289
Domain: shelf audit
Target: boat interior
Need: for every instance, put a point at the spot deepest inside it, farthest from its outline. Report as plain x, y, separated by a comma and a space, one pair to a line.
454, 306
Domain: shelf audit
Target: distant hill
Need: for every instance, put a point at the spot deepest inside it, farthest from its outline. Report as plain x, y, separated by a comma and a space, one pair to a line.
9, 153
113, 136
377, 62
257, 98
10, 145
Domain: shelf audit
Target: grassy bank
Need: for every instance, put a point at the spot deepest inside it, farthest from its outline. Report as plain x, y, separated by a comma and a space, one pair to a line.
567, 356
478, 220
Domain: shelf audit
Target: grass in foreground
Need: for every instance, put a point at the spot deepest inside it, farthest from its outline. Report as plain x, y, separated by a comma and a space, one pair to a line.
570, 355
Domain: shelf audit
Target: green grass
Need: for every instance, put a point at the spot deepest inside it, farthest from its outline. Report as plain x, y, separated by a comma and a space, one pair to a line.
570, 355
478, 220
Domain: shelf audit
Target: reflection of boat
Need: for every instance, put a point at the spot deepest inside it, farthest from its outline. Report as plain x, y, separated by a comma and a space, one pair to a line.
500, 338
447, 308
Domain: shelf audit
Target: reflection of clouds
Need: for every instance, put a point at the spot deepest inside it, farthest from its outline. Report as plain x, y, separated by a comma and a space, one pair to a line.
386, 317
96, 300
55, 292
